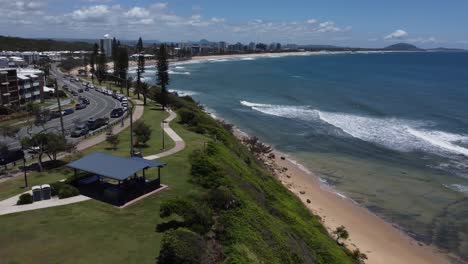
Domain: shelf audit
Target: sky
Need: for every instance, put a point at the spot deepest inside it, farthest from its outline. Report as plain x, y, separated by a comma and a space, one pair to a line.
356, 23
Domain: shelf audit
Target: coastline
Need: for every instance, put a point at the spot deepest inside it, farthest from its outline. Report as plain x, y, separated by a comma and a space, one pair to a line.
381, 241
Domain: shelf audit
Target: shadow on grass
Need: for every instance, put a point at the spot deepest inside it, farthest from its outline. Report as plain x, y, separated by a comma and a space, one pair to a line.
173, 224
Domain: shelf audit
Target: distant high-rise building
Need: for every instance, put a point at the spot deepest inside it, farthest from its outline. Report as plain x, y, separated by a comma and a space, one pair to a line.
251, 46
106, 44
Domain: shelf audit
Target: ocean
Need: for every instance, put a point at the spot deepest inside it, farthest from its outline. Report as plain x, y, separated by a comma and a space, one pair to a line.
387, 130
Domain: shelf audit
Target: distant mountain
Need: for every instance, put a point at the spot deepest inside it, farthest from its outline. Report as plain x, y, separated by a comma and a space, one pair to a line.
403, 47
23, 44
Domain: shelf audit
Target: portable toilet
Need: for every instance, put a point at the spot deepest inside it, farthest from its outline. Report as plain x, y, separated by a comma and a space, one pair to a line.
46, 191
37, 193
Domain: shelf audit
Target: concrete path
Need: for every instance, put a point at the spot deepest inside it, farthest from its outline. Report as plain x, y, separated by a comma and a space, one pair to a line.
9, 206
179, 142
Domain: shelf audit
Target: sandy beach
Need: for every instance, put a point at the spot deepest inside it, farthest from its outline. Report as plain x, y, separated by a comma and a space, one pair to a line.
378, 239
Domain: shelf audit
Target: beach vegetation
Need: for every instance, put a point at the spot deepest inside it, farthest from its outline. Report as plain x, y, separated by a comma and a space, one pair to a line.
341, 234
181, 246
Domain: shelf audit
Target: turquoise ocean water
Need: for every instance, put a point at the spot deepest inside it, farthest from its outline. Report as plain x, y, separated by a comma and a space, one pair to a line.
389, 131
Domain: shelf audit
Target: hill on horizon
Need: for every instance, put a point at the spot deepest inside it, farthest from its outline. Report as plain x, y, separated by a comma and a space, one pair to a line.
403, 47
24, 44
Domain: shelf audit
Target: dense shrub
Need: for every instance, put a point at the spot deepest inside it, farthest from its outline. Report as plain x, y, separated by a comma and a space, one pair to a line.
197, 216
67, 191
25, 198
55, 187
221, 198
181, 246
187, 116
205, 172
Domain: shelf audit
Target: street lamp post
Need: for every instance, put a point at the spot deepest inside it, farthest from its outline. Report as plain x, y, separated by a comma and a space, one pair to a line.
25, 176
163, 141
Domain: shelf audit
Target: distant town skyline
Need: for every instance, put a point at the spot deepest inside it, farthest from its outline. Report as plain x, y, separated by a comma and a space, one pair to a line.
364, 23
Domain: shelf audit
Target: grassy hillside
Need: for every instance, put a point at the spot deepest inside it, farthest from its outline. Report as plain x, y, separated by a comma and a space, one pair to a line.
222, 206
22, 44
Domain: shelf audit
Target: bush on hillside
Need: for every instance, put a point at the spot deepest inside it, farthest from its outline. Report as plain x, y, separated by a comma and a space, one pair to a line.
197, 216
67, 191
221, 198
181, 246
25, 198
205, 172
55, 187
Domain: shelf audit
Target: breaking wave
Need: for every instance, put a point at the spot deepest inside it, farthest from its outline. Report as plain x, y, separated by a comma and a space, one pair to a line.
397, 134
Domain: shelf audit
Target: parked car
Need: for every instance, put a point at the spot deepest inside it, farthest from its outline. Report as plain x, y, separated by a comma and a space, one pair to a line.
80, 106
80, 130
55, 114
124, 104
68, 111
86, 88
91, 86
110, 92
80, 90
11, 156
95, 123
85, 101
74, 93
65, 87
116, 113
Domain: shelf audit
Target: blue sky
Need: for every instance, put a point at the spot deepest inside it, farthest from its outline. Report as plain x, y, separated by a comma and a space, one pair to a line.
363, 23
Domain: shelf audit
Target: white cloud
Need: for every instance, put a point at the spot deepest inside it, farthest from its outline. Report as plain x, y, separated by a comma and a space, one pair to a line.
159, 6
397, 34
424, 40
312, 21
137, 12
92, 13
217, 20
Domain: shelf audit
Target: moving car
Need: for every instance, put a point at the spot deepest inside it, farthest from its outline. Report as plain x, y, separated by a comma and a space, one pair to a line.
11, 156
55, 114
80, 130
116, 113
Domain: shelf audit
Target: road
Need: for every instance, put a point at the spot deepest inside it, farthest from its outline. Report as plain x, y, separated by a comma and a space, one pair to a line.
100, 106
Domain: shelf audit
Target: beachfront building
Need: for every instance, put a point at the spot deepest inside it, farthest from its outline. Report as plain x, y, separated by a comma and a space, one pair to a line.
4, 62
9, 94
106, 44
30, 85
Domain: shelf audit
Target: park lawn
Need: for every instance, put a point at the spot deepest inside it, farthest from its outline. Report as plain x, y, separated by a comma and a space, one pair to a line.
152, 116
92, 231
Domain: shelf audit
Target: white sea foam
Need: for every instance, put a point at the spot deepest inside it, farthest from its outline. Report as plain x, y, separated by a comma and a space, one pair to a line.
458, 188
183, 92
397, 134
180, 73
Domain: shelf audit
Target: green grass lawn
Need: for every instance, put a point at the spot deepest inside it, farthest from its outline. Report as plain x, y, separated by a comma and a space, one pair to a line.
92, 231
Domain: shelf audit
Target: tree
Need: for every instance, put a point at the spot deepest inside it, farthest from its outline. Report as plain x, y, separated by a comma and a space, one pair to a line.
181, 246
140, 66
142, 132
114, 50
113, 140
162, 74
341, 233
121, 64
254, 144
101, 70
47, 143
196, 216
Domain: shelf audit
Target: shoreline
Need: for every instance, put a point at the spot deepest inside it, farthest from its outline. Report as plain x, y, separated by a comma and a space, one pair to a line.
380, 240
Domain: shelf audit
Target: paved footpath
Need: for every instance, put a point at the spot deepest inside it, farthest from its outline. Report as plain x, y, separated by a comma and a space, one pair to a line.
179, 142
9, 206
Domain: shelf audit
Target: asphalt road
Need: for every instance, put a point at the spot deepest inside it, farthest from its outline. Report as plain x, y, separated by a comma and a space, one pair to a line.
100, 106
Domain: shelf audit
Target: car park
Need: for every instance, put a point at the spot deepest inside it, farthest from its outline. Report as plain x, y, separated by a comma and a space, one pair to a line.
80, 130
116, 113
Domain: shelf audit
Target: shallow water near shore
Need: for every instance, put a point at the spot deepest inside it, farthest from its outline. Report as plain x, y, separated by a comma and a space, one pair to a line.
389, 131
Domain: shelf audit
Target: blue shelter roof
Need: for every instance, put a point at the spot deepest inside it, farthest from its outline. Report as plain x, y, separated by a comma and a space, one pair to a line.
110, 166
